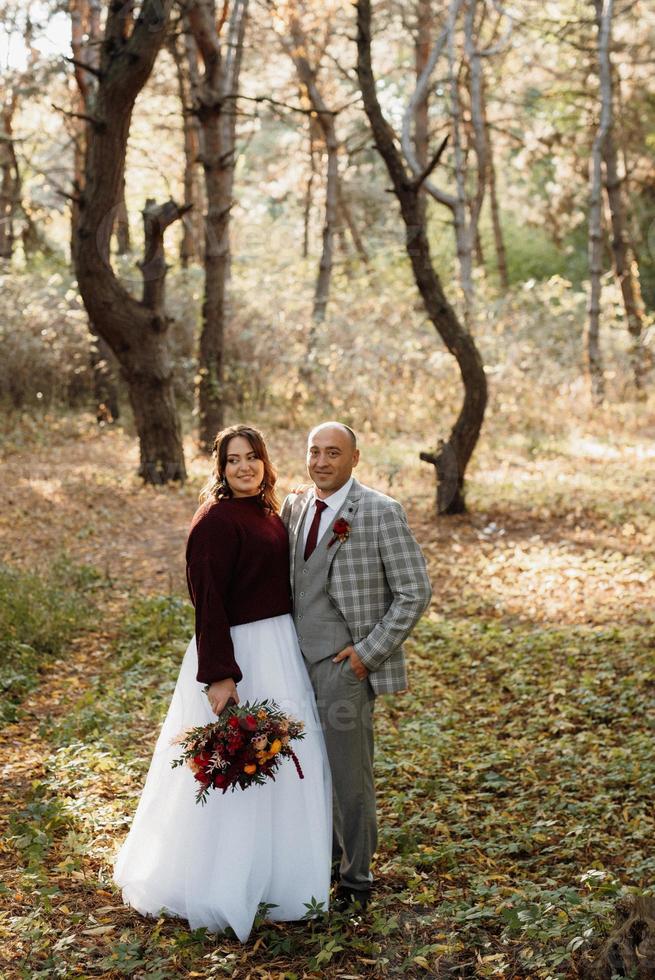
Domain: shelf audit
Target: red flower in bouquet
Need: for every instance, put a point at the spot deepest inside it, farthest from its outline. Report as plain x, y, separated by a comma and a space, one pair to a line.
341, 531
245, 746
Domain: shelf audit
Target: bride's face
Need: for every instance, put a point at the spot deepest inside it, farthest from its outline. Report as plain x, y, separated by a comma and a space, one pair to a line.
244, 472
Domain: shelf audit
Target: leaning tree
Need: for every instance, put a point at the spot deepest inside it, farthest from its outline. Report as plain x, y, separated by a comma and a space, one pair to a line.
218, 39
136, 331
453, 454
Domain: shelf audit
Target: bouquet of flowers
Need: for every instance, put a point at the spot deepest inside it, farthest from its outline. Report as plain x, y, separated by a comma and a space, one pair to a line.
244, 746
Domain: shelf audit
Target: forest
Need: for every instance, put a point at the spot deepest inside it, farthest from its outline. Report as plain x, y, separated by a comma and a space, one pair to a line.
434, 222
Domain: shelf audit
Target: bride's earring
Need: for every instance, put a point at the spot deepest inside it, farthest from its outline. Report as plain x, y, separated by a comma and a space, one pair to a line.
262, 490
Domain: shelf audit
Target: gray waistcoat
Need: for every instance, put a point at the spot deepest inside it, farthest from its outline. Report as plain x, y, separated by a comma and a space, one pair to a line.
322, 630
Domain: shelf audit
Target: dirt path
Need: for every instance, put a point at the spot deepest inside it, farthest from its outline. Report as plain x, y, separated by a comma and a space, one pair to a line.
81, 498
555, 560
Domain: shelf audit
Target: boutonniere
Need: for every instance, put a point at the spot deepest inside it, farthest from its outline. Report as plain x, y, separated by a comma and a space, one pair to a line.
341, 530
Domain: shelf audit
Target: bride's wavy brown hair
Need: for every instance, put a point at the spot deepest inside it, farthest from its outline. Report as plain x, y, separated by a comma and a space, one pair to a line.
217, 487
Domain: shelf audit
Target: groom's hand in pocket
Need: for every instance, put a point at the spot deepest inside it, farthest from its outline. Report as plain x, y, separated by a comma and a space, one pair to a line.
220, 693
356, 665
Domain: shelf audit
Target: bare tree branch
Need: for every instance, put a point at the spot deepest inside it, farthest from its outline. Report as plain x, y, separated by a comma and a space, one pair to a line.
418, 181
92, 70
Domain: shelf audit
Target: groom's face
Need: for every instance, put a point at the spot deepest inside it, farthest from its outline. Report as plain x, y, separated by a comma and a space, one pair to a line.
330, 459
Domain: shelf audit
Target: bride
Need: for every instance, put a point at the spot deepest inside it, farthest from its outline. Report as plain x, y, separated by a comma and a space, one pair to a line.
213, 865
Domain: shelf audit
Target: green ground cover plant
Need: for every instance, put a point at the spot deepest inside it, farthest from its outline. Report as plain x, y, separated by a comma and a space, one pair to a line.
515, 807
39, 616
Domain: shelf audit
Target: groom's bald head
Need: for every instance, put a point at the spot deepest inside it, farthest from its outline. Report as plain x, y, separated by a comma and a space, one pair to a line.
332, 454
334, 425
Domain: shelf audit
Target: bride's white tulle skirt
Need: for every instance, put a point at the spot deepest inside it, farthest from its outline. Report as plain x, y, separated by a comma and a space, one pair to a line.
214, 864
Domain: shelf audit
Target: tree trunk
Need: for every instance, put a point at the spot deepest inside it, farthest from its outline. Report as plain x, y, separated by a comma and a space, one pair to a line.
105, 387
479, 252
456, 203
629, 950
499, 243
481, 151
309, 186
604, 10
85, 43
463, 233
214, 102
85, 48
156, 419
9, 179
625, 262
422, 45
156, 219
322, 292
192, 223
135, 332
79, 154
464, 206
296, 47
123, 245
11, 183
34, 240
344, 208
452, 457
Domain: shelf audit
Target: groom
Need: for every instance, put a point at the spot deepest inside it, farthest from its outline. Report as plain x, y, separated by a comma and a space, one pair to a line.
359, 585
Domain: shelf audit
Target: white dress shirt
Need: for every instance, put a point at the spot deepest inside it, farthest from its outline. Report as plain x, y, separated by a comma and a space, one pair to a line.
334, 503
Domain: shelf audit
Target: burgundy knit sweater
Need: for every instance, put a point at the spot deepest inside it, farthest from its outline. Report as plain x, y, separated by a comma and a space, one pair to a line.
237, 572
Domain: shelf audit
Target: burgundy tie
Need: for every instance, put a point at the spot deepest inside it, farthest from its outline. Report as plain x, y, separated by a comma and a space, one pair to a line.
312, 537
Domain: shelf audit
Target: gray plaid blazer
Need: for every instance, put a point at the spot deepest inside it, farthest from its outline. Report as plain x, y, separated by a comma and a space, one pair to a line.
377, 578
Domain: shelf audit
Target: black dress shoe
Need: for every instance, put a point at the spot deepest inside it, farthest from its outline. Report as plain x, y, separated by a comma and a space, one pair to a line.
351, 899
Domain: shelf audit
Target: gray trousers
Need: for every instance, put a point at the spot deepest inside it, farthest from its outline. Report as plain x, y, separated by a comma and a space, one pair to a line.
345, 707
